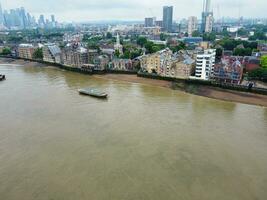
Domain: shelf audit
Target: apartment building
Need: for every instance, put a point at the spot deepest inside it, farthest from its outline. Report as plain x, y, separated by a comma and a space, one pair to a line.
192, 25
205, 64
121, 64
229, 70
166, 63
52, 53
74, 56
26, 51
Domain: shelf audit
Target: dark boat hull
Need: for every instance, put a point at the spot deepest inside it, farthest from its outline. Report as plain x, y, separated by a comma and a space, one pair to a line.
92, 94
2, 77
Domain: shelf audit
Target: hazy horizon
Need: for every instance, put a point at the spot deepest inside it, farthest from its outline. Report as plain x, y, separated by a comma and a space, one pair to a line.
125, 10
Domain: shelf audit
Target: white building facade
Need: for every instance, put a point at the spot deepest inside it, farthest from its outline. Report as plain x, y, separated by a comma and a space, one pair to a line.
192, 25
205, 64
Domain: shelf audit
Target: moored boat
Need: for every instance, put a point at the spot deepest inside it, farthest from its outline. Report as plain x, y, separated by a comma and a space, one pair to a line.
93, 92
2, 77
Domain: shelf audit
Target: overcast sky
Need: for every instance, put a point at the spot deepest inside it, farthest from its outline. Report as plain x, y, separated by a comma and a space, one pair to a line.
88, 10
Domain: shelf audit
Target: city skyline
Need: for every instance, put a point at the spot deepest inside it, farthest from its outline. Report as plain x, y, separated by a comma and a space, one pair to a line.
83, 11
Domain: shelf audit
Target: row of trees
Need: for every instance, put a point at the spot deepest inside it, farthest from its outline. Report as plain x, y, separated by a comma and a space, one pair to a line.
6, 51
242, 52
260, 73
38, 54
231, 44
148, 45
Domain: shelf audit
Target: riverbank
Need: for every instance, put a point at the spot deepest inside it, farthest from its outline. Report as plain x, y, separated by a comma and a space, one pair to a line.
201, 90
205, 91
21, 62
135, 79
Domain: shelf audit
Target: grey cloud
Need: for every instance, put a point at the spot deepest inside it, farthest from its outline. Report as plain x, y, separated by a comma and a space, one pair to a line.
77, 10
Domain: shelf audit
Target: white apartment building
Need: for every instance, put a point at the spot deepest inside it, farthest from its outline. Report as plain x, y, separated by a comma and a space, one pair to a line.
209, 23
192, 25
205, 64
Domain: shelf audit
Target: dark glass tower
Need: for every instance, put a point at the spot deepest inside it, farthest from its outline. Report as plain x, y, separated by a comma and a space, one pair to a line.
167, 18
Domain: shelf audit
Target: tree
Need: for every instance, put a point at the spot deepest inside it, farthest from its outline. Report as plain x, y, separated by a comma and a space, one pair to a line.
178, 47
6, 51
264, 62
219, 53
228, 44
155, 48
93, 45
209, 37
15, 39
242, 52
109, 35
38, 54
117, 53
258, 74
196, 34
163, 37
242, 32
225, 33
259, 34
141, 41
149, 47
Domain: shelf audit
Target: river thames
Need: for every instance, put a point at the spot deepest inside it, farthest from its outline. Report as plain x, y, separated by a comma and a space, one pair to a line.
143, 143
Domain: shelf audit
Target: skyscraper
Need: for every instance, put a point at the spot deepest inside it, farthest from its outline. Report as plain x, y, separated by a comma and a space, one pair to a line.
53, 21
41, 21
192, 25
209, 23
207, 17
167, 18
17, 18
149, 22
207, 6
23, 18
53, 18
1, 16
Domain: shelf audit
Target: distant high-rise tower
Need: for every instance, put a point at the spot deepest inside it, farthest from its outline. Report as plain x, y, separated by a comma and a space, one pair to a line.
41, 21
207, 8
167, 18
53, 18
1, 16
192, 25
207, 17
149, 22
53, 21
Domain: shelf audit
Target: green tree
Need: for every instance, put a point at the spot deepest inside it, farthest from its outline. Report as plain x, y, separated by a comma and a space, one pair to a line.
258, 74
209, 37
38, 54
6, 51
155, 48
242, 52
242, 32
196, 34
163, 37
264, 62
15, 39
219, 53
109, 35
117, 53
149, 46
141, 41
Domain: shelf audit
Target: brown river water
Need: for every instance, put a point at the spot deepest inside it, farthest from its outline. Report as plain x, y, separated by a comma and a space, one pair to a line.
143, 143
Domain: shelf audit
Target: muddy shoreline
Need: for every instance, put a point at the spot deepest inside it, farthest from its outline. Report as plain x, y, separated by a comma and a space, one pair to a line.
206, 91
